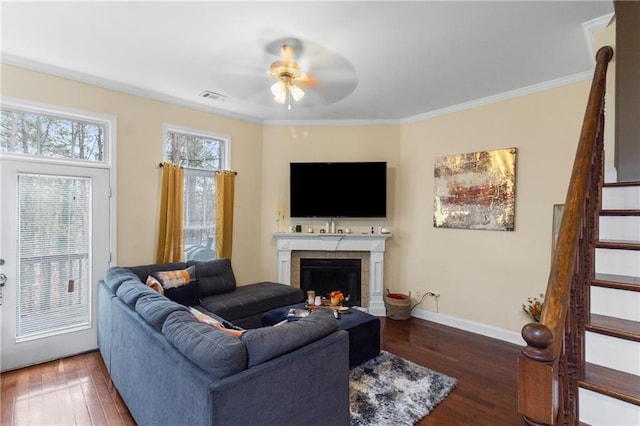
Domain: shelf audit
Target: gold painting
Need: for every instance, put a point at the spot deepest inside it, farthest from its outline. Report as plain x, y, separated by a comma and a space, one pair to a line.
475, 190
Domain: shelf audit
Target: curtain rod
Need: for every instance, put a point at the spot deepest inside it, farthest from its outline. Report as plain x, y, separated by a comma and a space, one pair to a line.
161, 165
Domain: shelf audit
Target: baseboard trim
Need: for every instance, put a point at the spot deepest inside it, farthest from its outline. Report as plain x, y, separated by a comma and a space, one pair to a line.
471, 326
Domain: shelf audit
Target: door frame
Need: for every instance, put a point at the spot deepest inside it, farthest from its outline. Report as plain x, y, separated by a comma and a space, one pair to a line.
110, 164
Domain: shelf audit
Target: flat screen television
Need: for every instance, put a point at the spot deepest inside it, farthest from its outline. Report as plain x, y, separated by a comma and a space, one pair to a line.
342, 189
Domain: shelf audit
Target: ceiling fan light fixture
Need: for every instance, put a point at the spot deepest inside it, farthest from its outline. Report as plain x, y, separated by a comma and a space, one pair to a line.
280, 98
278, 88
286, 71
296, 92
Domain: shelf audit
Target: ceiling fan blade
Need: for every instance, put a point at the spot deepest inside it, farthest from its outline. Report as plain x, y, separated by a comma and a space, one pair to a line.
325, 76
306, 80
326, 94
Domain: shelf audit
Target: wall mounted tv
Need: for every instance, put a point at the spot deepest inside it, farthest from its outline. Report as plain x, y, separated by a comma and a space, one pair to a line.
344, 189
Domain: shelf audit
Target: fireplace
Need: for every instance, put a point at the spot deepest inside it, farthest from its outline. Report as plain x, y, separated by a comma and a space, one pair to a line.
326, 275
369, 248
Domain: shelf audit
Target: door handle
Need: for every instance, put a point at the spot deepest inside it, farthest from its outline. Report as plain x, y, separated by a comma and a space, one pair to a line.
3, 280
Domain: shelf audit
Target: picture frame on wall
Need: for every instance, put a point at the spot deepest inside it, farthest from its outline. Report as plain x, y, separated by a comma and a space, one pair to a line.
475, 190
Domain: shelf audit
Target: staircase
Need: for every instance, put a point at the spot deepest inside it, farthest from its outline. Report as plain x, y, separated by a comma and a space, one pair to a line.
581, 364
610, 389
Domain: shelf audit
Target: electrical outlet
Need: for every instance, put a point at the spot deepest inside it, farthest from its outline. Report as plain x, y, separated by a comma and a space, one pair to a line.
417, 293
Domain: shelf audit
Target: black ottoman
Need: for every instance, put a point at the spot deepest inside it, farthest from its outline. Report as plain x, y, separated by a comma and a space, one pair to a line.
364, 331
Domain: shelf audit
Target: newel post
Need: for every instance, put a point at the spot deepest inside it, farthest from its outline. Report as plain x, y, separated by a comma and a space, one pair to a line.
537, 377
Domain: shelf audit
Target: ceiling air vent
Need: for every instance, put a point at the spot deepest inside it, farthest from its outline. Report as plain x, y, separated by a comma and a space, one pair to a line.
207, 94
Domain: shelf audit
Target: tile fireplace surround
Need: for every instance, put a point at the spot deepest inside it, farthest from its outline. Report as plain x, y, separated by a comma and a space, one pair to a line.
367, 247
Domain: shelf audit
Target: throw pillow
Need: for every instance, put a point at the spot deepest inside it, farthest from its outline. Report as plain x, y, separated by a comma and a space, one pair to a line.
216, 322
187, 295
155, 284
174, 279
203, 318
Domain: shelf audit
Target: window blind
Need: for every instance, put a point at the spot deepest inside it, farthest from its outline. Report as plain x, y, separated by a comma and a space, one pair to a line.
53, 248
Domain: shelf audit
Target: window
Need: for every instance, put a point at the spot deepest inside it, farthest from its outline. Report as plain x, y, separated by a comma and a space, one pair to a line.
37, 134
200, 154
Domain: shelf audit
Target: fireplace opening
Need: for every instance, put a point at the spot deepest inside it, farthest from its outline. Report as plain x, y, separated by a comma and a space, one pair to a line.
326, 275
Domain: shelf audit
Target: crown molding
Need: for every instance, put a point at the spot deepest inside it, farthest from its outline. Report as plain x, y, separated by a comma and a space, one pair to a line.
591, 27
335, 123
118, 87
528, 90
136, 91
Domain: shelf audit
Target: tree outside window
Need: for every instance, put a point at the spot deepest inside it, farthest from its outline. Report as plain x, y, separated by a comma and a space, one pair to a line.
50, 136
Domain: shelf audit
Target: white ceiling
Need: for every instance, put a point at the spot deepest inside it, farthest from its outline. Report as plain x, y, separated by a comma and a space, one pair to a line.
374, 61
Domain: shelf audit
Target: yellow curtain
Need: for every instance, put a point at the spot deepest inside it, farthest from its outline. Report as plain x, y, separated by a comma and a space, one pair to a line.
171, 226
225, 187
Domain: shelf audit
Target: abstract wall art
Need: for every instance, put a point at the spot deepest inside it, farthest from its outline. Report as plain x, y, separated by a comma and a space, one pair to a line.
475, 190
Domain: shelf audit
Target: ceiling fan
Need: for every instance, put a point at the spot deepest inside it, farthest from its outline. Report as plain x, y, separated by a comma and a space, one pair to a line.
289, 78
289, 67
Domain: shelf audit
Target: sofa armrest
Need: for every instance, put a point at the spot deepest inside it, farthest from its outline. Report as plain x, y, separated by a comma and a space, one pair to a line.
105, 294
312, 386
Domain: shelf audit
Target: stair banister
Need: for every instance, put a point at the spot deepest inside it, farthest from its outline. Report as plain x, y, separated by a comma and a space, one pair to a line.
543, 377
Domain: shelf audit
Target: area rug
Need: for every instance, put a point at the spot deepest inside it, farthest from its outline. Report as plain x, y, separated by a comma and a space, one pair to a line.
389, 390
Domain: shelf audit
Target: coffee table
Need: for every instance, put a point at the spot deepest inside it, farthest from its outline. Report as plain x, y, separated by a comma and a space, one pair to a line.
363, 328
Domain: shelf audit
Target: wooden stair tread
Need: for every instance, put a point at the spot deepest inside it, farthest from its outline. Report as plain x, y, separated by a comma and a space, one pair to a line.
620, 212
620, 282
615, 327
613, 383
618, 244
618, 278
618, 184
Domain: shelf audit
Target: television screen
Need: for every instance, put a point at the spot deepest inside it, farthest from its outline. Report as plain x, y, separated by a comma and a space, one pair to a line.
347, 189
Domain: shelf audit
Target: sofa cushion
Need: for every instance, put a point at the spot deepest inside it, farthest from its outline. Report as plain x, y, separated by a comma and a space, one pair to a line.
116, 275
266, 343
187, 295
175, 278
130, 291
216, 352
252, 299
143, 271
155, 309
215, 276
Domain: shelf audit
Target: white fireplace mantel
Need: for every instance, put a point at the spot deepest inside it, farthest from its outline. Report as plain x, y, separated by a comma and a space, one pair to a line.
373, 243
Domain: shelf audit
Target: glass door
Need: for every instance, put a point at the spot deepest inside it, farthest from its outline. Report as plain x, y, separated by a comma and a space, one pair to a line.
55, 246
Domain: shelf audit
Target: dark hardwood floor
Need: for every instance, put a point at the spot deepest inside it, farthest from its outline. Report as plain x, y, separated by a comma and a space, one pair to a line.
77, 390
486, 393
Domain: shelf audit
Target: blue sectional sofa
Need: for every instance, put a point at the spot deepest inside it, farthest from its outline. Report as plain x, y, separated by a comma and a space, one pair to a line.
172, 369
